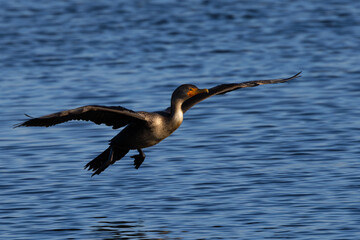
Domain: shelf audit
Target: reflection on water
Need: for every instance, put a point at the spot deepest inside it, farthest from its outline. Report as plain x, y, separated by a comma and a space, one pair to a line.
128, 230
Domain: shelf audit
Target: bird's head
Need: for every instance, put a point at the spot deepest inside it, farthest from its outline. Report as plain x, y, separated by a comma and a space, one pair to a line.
186, 91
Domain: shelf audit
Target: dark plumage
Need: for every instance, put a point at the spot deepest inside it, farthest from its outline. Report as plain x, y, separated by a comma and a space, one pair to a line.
143, 129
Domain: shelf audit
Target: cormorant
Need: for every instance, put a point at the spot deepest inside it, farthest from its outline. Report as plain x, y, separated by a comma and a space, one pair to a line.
143, 129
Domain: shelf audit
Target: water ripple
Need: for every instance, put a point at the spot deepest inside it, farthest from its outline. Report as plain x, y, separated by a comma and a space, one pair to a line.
270, 162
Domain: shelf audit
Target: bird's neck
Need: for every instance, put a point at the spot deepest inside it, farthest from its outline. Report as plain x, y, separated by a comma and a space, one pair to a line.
176, 112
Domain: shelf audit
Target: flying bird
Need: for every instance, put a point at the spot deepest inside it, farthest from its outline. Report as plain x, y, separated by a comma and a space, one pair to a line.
143, 129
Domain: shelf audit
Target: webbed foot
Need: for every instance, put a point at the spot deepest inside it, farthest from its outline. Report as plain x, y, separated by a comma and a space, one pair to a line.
138, 159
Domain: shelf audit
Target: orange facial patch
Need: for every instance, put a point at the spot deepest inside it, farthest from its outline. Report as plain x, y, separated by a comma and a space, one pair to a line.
196, 91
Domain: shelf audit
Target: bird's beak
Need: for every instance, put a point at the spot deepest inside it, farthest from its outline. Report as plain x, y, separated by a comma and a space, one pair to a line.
194, 92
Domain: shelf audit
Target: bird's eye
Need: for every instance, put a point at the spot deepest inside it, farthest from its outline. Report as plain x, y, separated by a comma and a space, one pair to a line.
190, 93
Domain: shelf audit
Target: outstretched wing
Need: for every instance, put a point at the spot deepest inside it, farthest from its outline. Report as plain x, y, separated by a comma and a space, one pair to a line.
224, 88
112, 116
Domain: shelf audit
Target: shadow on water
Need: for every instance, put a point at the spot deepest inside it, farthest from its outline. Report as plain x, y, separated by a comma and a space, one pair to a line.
127, 230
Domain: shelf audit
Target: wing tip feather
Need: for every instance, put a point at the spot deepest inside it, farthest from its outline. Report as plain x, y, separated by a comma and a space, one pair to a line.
295, 76
23, 124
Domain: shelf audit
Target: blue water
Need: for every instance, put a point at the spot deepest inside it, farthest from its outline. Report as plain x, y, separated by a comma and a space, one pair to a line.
271, 162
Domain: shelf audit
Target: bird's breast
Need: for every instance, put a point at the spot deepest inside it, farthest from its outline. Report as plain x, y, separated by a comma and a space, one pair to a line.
164, 125
138, 135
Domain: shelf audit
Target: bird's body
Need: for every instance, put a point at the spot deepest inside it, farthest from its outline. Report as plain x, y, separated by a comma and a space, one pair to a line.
142, 129
157, 127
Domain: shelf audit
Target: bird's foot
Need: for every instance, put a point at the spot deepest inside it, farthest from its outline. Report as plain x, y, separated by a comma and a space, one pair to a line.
138, 159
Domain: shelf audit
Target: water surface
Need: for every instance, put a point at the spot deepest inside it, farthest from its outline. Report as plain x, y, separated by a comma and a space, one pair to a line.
271, 162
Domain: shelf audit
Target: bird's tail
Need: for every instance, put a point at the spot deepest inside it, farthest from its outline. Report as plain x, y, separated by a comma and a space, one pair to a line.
105, 159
